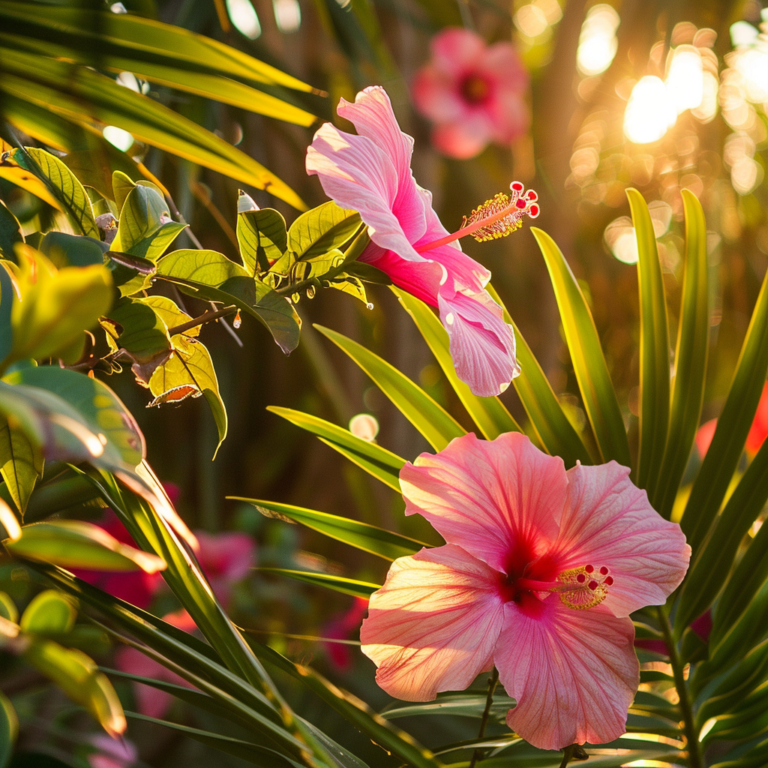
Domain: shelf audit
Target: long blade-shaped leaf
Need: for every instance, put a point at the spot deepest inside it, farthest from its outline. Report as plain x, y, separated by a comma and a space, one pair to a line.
734, 423
654, 348
690, 358
341, 584
489, 413
379, 462
436, 425
369, 538
589, 364
552, 427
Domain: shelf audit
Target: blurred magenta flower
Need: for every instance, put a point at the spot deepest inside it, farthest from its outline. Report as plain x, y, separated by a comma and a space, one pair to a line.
757, 432
474, 93
135, 587
371, 173
112, 753
541, 570
343, 627
225, 558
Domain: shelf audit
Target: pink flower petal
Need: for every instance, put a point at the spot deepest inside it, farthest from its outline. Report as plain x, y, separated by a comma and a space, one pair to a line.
502, 62
499, 500
464, 139
433, 625
456, 50
573, 674
436, 95
704, 436
608, 522
482, 345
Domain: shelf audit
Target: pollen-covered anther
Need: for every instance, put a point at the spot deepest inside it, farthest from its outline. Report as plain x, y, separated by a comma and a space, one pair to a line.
585, 587
502, 214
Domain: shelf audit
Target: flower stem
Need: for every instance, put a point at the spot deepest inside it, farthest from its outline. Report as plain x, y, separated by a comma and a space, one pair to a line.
492, 682
689, 726
568, 754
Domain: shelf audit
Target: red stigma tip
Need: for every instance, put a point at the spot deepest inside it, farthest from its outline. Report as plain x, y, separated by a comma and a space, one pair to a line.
520, 203
592, 585
581, 578
531, 195
604, 571
517, 186
608, 581
533, 211
589, 568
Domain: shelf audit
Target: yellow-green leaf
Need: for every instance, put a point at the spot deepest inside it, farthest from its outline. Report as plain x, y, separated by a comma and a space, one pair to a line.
21, 464
49, 613
9, 730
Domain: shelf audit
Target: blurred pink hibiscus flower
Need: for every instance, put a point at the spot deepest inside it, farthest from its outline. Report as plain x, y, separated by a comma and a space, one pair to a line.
343, 627
371, 173
112, 753
474, 93
541, 570
226, 558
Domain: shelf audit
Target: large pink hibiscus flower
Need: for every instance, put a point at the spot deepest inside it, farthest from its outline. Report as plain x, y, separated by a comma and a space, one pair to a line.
371, 173
473, 92
541, 570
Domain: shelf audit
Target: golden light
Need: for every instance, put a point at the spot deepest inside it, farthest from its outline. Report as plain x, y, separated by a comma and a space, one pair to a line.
685, 80
364, 426
531, 20
707, 109
752, 65
287, 15
597, 42
117, 137
621, 241
650, 111
244, 18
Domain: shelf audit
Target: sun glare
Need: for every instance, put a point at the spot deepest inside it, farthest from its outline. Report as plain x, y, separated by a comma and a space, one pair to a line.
597, 42
650, 112
244, 18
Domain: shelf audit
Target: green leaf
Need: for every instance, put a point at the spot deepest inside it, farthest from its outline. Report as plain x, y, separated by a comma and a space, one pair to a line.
72, 250
589, 364
467, 704
7, 300
552, 427
62, 183
433, 422
80, 679
489, 413
734, 424
212, 276
21, 464
77, 544
346, 586
690, 358
369, 538
654, 349
715, 557
47, 83
189, 373
323, 229
8, 608
10, 234
379, 462
170, 314
55, 307
49, 613
9, 730
262, 237
122, 186
245, 750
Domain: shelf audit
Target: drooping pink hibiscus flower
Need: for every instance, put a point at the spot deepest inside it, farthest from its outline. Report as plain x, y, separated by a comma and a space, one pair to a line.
540, 572
473, 92
371, 173
343, 627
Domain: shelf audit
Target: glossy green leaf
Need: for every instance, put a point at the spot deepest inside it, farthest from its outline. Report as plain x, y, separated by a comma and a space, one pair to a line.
9, 730
10, 234
589, 364
169, 312
654, 349
212, 276
7, 298
436, 425
733, 425
55, 307
555, 433
261, 235
321, 230
66, 250
49, 613
712, 564
62, 183
77, 544
369, 538
469, 704
245, 750
690, 357
189, 373
147, 120
346, 586
8, 608
21, 464
489, 413
379, 462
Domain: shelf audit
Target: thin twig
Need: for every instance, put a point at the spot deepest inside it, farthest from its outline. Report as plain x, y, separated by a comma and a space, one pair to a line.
206, 317
568, 754
492, 682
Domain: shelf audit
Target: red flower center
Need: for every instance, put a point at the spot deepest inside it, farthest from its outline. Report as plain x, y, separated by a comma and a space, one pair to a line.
475, 89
